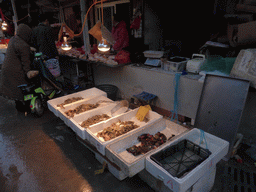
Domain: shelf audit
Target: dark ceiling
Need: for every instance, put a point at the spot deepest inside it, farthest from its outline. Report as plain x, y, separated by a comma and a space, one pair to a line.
33, 8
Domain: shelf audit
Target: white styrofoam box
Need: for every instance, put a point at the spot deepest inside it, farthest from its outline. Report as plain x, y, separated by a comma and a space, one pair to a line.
218, 148
204, 184
94, 100
112, 169
101, 144
131, 165
86, 94
75, 122
174, 66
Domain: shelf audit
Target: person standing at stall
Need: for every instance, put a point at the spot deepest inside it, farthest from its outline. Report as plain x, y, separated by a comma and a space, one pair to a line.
44, 42
120, 33
43, 38
16, 66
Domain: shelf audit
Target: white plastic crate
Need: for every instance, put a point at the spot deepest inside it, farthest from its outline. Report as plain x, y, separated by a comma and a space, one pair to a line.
131, 165
175, 66
100, 144
112, 169
87, 94
218, 148
75, 122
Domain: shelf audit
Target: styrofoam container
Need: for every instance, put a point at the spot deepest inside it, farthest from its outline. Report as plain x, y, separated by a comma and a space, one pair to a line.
131, 165
101, 144
112, 169
153, 54
104, 101
218, 148
75, 122
174, 66
204, 184
87, 94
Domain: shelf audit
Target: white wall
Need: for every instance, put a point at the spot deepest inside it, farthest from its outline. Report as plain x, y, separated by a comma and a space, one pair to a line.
133, 80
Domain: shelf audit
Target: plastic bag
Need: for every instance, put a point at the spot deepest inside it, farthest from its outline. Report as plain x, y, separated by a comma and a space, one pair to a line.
53, 66
122, 57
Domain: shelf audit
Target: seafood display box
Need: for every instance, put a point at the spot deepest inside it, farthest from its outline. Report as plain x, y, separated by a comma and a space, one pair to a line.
101, 144
87, 94
82, 132
101, 100
218, 148
130, 165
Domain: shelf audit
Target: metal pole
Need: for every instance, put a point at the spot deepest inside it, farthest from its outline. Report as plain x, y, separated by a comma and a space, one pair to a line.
84, 9
15, 18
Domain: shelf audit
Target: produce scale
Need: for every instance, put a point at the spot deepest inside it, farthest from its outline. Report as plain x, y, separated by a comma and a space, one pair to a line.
141, 141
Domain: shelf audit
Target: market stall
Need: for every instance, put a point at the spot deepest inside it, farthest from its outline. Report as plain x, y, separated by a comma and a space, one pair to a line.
129, 142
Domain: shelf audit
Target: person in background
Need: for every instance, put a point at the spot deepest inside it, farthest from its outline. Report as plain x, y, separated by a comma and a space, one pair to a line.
120, 33
43, 38
43, 41
16, 66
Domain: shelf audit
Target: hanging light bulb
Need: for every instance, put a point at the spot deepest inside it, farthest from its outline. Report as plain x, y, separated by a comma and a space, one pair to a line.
4, 24
103, 46
65, 45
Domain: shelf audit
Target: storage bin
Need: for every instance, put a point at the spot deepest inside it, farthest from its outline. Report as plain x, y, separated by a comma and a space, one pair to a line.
75, 123
175, 64
101, 100
218, 148
131, 165
111, 90
86, 94
180, 158
101, 144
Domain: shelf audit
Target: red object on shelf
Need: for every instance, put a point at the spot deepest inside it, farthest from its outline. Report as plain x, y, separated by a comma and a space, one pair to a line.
122, 57
81, 50
94, 49
4, 41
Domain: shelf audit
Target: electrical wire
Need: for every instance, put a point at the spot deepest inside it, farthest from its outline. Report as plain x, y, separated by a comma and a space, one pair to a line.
18, 20
102, 12
85, 18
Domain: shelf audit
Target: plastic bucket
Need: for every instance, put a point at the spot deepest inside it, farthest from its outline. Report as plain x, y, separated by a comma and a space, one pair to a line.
111, 90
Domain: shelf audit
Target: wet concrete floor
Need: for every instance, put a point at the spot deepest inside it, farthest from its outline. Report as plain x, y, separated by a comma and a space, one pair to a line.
43, 155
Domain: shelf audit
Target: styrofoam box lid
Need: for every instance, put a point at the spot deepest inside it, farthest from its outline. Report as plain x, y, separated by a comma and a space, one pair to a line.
86, 94
100, 144
75, 123
130, 164
104, 102
218, 147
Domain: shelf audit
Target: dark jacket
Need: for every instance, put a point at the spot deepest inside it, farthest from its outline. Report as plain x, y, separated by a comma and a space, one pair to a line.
16, 64
43, 40
120, 35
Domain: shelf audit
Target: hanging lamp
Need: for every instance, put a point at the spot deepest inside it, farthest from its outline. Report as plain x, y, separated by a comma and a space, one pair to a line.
4, 26
65, 45
103, 45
